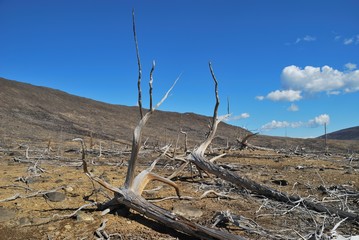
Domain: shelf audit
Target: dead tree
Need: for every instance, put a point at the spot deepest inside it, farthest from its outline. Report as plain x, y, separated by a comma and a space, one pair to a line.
243, 143
185, 140
129, 196
198, 158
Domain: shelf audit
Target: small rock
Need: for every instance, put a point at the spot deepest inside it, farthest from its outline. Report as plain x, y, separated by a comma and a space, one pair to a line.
55, 196
30, 180
81, 216
24, 221
51, 228
6, 214
68, 227
187, 211
69, 189
280, 182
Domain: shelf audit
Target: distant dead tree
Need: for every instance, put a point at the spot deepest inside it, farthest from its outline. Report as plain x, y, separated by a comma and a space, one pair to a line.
243, 143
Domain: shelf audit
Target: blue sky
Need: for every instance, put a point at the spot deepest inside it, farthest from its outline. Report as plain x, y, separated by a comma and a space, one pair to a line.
287, 67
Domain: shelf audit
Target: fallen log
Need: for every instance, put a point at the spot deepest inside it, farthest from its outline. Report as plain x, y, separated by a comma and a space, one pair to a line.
263, 190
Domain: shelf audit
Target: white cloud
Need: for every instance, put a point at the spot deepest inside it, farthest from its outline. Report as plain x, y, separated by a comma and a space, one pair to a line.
319, 121
348, 41
242, 116
316, 122
245, 115
333, 92
260, 98
306, 38
316, 79
293, 108
350, 66
281, 124
274, 125
309, 38
284, 95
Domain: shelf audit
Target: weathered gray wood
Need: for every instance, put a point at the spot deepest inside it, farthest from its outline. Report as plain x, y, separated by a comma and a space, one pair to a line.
263, 190
169, 219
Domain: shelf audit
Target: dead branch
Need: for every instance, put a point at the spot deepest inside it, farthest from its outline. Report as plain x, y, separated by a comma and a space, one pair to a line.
204, 195
215, 119
39, 193
60, 217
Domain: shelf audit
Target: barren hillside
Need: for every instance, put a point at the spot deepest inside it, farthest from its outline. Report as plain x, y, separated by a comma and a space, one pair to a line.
39, 114
344, 134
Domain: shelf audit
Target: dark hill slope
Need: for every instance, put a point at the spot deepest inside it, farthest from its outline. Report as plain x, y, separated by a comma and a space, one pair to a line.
30, 112
344, 134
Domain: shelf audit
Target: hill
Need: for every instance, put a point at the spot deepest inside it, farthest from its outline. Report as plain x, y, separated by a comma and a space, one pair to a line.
33, 113
344, 134
36, 115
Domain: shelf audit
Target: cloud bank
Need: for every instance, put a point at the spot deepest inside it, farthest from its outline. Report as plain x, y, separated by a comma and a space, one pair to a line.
282, 95
324, 79
312, 123
319, 121
297, 81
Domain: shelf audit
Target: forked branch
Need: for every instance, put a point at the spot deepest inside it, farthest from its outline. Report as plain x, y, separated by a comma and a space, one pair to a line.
215, 119
138, 63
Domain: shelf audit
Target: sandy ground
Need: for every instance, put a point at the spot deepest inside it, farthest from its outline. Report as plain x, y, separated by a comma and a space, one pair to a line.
36, 217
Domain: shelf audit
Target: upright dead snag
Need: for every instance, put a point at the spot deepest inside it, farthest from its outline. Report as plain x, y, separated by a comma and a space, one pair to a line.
139, 183
215, 119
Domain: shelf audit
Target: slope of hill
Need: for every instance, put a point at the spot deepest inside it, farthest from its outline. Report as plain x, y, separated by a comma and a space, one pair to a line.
34, 115
30, 112
344, 134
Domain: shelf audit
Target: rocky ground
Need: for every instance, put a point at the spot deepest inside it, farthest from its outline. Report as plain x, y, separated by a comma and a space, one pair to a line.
41, 193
